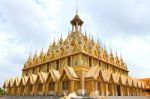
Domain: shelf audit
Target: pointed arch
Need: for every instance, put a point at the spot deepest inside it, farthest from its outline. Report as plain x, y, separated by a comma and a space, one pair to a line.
143, 85
24, 80
69, 72
6, 83
139, 84
17, 81
123, 80
129, 81
115, 78
29, 88
11, 86
105, 75
68, 80
11, 82
52, 82
93, 73
92, 80
135, 83
32, 79
40, 83
41, 77
16, 85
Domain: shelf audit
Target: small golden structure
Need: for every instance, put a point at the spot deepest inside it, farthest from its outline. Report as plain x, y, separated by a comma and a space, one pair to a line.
77, 64
147, 86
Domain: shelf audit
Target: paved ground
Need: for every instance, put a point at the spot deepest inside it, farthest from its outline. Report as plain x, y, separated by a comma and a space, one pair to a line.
54, 97
29, 97
128, 97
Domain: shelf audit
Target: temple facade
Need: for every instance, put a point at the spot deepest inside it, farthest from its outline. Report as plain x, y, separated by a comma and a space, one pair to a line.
77, 64
147, 86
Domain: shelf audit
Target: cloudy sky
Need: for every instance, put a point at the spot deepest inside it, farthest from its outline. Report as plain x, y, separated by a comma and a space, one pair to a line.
27, 25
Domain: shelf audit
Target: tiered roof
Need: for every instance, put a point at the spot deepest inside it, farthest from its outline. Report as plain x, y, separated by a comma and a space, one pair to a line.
93, 73
75, 42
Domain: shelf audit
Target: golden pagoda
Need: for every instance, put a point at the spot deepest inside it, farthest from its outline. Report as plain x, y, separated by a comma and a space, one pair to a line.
77, 64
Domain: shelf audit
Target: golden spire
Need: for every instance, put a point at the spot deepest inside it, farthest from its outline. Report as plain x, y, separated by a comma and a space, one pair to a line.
116, 56
121, 60
35, 56
111, 51
76, 7
97, 40
30, 58
61, 39
105, 51
54, 43
89, 37
116, 59
92, 39
49, 49
98, 43
85, 34
49, 45
42, 52
111, 57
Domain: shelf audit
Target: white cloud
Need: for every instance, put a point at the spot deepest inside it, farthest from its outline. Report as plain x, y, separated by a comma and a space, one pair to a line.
135, 51
27, 25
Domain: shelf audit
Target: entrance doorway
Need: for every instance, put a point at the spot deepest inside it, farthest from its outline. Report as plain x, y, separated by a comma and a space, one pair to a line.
118, 90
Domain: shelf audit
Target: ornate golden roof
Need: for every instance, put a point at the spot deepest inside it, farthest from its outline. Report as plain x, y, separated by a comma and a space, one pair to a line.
42, 77
93, 73
106, 75
123, 79
69, 72
129, 81
24, 80
75, 42
135, 83
115, 78
6, 83
11, 82
17, 81
32, 78
54, 75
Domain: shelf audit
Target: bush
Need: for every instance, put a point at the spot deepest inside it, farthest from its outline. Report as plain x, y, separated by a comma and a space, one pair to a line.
2, 92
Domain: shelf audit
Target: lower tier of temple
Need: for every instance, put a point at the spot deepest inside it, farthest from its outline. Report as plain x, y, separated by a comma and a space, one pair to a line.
81, 80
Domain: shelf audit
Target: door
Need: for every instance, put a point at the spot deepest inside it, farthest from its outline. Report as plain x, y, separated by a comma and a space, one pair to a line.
118, 90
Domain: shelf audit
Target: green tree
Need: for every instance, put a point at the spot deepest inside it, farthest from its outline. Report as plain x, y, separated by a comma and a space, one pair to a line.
2, 91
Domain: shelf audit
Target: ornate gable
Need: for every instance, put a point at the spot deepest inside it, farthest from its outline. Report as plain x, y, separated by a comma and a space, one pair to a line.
105, 75
69, 72
17, 81
129, 81
24, 80
115, 78
123, 79
6, 83
93, 73
53, 75
42, 77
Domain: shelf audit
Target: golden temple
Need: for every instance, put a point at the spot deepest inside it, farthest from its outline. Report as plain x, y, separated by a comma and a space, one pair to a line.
77, 64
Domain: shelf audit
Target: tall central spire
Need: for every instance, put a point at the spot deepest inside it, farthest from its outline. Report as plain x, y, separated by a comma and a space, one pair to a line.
76, 7
76, 22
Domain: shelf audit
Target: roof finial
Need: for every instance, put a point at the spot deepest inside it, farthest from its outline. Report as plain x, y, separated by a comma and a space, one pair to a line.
76, 7
35, 51
116, 55
35, 55
30, 57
